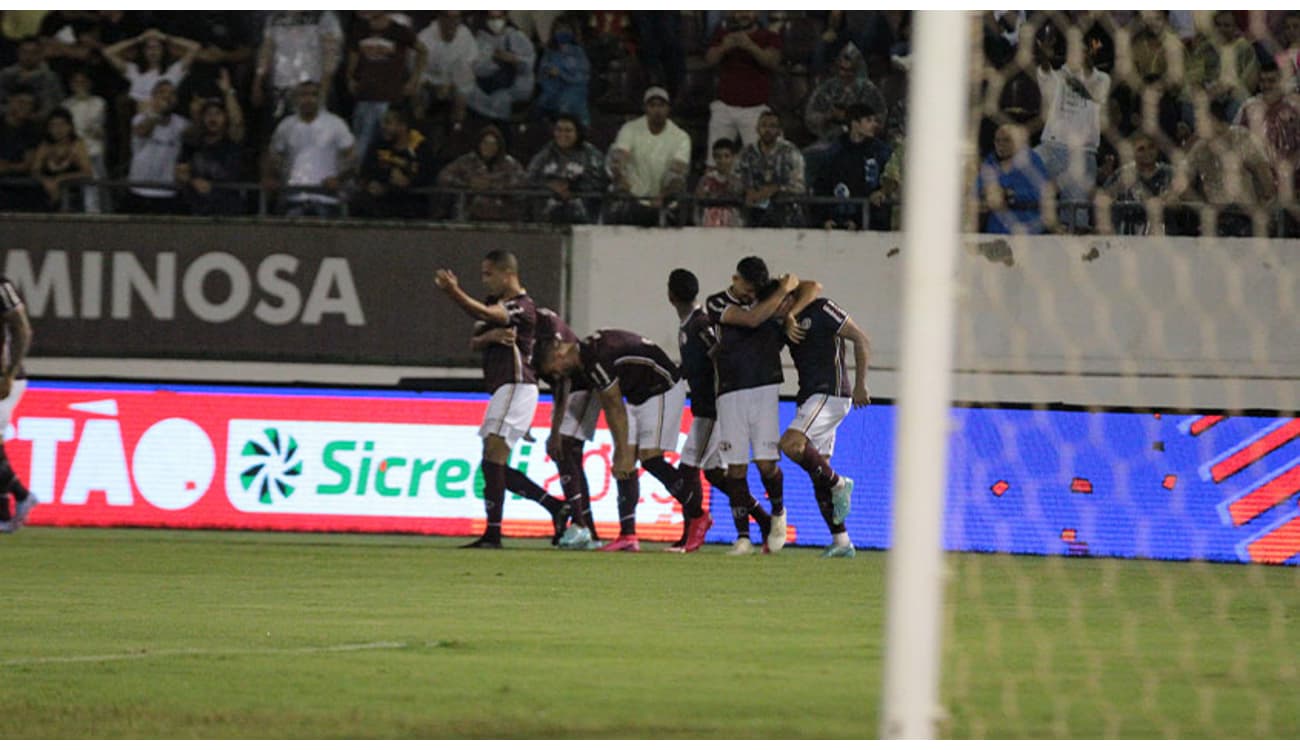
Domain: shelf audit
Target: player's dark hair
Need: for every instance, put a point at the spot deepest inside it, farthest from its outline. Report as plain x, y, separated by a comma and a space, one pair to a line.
753, 270
768, 289
504, 260
683, 285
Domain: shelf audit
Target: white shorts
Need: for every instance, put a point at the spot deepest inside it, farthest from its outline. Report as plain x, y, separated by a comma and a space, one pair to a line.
819, 417
510, 412
701, 449
657, 423
580, 415
750, 418
9, 402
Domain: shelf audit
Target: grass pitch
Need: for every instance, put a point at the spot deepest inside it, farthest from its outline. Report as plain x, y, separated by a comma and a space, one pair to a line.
133, 633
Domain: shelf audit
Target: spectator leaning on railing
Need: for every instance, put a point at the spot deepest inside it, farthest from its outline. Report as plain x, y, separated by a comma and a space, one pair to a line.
1012, 186
156, 133
61, 157
1228, 169
772, 168
1142, 180
568, 165
487, 167
721, 181
311, 148
401, 162
854, 169
214, 155
648, 162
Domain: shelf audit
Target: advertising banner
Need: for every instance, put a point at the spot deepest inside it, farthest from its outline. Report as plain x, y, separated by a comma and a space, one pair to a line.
1028, 481
342, 293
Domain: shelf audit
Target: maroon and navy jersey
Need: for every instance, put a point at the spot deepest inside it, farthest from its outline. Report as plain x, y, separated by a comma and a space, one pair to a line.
551, 327
819, 358
511, 364
747, 357
695, 339
9, 300
640, 367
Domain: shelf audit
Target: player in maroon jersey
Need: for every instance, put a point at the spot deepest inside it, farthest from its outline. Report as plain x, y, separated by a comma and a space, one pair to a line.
17, 333
507, 319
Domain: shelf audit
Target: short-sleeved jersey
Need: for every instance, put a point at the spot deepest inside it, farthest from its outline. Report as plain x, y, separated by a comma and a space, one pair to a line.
551, 327
9, 300
819, 358
695, 339
511, 364
641, 368
747, 357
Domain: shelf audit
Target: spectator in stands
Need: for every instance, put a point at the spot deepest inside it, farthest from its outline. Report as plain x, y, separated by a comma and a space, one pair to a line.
1223, 64
448, 73
1012, 186
826, 111
568, 165
1149, 75
659, 47
772, 169
1074, 95
563, 75
32, 73
69, 40
1139, 181
156, 133
1228, 169
1001, 31
842, 28
746, 56
20, 136
488, 167
214, 156
380, 70
648, 162
311, 148
297, 46
89, 118
401, 162
721, 181
61, 157
503, 68
225, 43
1273, 116
1288, 59
605, 41
151, 62
891, 181
853, 170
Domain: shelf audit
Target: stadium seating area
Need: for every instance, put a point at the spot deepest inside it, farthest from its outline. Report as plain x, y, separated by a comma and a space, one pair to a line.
1152, 122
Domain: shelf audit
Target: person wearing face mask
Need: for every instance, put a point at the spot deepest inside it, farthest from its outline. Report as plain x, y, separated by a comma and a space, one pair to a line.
746, 57
503, 68
563, 75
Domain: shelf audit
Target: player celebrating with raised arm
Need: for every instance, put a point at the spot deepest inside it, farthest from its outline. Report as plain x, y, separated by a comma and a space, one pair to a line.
504, 332
696, 340
817, 337
748, 363
623, 365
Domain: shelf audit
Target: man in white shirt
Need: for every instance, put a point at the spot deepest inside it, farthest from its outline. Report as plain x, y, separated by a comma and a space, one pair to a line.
312, 148
648, 161
297, 45
155, 146
448, 71
1074, 102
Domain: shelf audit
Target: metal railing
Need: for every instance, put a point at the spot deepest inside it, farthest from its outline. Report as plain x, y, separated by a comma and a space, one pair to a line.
456, 204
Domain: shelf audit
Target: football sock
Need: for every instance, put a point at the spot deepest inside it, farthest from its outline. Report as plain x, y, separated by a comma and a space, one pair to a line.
519, 483
774, 485
818, 468
494, 498
693, 507
629, 493
675, 480
717, 478
573, 481
744, 503
823, 495
9, 480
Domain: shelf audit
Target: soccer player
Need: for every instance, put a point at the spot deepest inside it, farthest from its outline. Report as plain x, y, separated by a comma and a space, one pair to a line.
817, 337
696, 340
573, 423
507, 319
623, 365
13, 382
748, 317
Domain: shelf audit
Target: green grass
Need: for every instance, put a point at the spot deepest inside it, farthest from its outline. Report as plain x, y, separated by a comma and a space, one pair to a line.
228, 635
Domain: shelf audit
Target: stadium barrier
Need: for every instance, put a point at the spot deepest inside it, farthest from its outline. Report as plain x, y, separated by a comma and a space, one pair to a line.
1031, 481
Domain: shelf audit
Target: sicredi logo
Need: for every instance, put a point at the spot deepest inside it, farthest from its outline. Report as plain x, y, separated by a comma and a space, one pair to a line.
352, 468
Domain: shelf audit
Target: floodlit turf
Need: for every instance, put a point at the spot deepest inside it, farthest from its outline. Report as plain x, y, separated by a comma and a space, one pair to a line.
133, 633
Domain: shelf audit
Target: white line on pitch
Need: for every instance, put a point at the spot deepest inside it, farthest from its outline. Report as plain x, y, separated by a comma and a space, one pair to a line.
342, 647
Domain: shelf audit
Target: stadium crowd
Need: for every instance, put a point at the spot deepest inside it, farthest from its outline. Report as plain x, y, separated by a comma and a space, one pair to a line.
1135, 122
